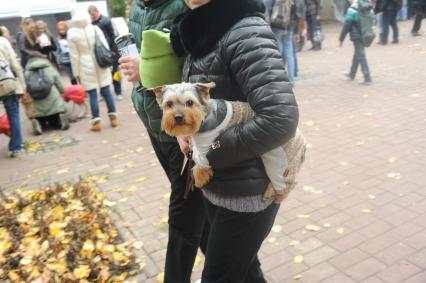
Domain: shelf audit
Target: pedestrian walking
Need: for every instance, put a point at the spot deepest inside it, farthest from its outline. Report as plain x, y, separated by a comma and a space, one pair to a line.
352, 26
105, 24
313, 21
220, 42
389, 11
81, 39
12, 86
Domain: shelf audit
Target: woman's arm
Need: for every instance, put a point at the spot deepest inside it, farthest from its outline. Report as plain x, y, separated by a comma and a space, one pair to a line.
257, 67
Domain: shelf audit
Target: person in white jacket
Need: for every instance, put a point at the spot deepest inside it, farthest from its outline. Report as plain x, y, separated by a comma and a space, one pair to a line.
81, 39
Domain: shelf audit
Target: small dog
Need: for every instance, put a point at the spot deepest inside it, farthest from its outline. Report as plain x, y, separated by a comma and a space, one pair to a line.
189, 111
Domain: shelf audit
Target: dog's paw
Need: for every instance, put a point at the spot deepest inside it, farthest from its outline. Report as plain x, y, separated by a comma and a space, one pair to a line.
202, 175
279, 198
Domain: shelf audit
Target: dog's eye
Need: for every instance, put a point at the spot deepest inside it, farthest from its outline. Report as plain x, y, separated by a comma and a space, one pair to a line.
189, 103
169, 104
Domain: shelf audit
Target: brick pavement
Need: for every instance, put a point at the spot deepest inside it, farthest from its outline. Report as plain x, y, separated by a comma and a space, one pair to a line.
362, 184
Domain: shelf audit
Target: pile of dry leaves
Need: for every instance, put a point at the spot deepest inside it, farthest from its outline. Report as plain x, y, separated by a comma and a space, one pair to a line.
61, 234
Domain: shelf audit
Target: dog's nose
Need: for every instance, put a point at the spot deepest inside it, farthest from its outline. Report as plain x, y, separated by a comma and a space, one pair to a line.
179, 118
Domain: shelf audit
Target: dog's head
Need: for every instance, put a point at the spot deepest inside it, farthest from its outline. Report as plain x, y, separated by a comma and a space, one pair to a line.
184, 107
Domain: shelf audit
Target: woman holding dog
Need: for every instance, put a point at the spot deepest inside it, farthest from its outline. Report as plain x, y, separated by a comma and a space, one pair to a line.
238, 53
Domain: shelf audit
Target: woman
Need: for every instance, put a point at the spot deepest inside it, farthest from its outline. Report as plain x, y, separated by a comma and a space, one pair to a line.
49, 112
45, 43
239, 53
11, 100
64, 59
26, 40
81, 40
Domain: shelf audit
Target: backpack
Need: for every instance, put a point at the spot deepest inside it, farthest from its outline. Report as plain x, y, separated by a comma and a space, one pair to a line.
366, 22
281, 14
7, 79
38, 83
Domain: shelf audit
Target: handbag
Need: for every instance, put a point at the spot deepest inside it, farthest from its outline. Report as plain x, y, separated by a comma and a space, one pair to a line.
104, 56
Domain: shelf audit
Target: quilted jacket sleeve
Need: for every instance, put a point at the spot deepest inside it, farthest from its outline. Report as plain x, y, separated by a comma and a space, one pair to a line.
255, 63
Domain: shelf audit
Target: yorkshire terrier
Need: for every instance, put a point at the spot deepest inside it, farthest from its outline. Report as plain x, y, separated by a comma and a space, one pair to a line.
189, 111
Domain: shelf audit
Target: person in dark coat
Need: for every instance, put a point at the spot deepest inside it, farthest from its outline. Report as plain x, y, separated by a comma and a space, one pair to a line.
239, 54
312, 19
105, 24
352, 26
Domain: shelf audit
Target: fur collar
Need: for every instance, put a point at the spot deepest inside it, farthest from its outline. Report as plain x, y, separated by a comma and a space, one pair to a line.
197, 31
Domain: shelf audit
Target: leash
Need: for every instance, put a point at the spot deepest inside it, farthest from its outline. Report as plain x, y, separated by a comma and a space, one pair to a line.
190, 177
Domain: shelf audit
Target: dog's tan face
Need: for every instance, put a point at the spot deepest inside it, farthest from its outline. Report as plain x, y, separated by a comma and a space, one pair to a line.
184, 107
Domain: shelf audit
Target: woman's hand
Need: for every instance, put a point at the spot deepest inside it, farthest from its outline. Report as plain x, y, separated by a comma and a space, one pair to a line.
130, 67
183, 144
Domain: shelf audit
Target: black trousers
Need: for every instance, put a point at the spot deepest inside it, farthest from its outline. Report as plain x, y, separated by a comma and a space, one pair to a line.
359, 59
389, 19
234, 241
52, 121
186, 216
418, 20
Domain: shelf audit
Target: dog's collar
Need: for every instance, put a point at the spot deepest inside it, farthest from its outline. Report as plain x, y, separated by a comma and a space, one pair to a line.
216, 113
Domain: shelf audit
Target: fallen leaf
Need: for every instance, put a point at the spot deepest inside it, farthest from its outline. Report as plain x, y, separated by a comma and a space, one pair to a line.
123, 200
138, 245
310, 123
303, 216
160, 277
139, 149
117, 190
62, 171
127, 225
393, 159
277, 228
298, 259
360, 142
109, 203
82, 272
166, 196
340, 230
343, 163
312, 228
104, 141
294, 243
371, 196
164, 220
345, 183
130, 165
272, 240
297, 277
197, 261
366, 210
140, 180
326, 225
118, 171
132, 189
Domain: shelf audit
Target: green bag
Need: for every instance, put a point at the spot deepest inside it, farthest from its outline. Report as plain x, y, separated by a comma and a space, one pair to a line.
366, 22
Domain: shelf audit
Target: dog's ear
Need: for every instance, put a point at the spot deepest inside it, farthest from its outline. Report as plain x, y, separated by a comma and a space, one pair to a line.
204, 89
158, 90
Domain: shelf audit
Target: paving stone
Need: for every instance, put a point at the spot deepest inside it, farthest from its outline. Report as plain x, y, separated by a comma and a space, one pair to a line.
365, 269
398, 272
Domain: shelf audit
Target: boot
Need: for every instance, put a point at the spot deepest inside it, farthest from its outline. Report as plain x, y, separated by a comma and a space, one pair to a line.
65, 124
36, 127
113, 120
96, 125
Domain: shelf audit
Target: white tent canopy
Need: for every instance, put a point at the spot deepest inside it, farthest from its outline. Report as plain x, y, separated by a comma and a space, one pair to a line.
27, 8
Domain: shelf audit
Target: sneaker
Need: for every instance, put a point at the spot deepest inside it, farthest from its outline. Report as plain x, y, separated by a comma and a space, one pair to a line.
113, 120
349, 76
367, 81
120, 97
14, 153
36, 127
96, 126
65, 124
415, 33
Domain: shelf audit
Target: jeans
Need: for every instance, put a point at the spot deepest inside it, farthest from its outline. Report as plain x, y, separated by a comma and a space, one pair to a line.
234, 242
312, 22
359, 59
286, 46
117, 87
403, 13
389, 19
94, 106
11, 103
296, 64
187, 225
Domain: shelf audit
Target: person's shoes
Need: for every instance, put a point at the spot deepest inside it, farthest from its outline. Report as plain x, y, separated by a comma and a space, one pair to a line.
415, 33
120, 97
96, 126
349, 76
395, 41
65, 123
36, 127
366, 81
381, 43
113, 120
14, 153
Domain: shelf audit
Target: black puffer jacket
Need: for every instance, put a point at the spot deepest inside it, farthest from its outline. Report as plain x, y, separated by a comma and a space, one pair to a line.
229, 43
